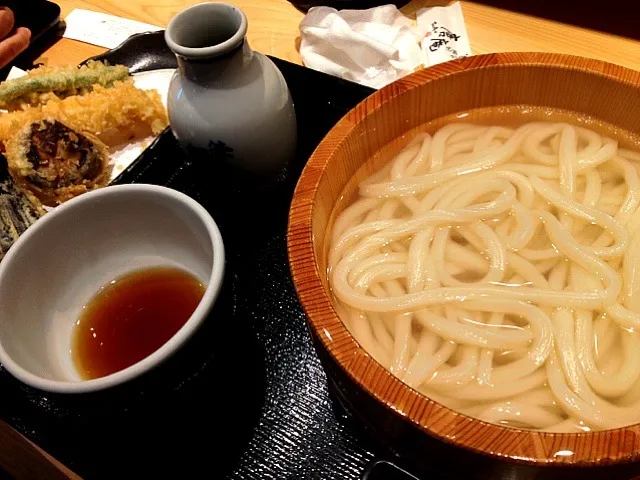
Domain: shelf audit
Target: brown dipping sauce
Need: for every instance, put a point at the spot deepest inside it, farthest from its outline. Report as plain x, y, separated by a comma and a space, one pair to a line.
132, 317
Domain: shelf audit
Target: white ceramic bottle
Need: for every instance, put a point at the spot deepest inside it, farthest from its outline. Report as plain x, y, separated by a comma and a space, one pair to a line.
225, 98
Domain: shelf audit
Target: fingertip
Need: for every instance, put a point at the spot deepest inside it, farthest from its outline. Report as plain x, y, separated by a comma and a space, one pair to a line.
21, 37
13, 45
6, 12
24, 32
7, 21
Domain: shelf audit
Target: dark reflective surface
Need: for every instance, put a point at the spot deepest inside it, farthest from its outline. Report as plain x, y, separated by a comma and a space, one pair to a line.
615, 18
247, 398
304, 5
383, 470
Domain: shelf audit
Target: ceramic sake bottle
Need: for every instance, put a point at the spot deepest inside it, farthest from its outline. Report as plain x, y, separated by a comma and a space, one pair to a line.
226, 99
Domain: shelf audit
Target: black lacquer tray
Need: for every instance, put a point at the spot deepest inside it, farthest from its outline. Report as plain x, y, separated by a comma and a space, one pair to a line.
247, 397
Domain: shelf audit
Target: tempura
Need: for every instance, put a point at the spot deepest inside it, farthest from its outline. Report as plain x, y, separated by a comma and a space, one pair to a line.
115, 115
49, 83
55, 162
18, 209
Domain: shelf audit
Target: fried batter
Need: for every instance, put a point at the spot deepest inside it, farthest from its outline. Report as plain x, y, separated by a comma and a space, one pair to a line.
55, 162
115, 115
49, 83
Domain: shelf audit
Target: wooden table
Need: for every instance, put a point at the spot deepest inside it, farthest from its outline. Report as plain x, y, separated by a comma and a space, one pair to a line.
273, 29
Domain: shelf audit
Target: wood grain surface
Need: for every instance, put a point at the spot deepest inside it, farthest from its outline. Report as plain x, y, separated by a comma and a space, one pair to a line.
22, 459
603, 90
273, 27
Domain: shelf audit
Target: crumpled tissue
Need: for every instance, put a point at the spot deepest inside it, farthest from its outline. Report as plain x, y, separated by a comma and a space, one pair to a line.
375, 47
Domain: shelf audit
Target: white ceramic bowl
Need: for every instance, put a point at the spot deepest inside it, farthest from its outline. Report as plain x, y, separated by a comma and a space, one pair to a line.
62, 261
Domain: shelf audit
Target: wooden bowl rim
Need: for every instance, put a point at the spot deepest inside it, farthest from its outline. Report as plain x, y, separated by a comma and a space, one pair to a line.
308, 284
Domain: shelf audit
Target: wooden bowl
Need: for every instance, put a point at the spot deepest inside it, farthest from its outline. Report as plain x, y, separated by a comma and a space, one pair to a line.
608, 92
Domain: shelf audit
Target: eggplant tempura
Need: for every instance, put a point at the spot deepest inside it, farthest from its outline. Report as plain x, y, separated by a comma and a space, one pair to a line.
55, 162
115, 115
62, 121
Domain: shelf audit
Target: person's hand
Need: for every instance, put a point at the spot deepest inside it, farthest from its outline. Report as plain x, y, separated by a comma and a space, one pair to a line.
12, 42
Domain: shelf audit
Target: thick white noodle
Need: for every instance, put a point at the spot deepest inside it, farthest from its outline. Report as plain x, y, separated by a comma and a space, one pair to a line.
497, 271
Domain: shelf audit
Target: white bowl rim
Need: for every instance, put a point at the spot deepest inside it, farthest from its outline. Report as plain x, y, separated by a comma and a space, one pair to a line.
174, 343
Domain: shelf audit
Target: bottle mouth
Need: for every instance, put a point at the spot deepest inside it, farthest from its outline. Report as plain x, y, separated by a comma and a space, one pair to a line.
206, 30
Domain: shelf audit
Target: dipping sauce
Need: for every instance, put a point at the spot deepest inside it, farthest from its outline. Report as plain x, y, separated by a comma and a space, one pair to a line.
132, 317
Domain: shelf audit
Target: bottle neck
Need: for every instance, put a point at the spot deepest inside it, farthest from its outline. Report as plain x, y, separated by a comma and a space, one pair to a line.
204, 70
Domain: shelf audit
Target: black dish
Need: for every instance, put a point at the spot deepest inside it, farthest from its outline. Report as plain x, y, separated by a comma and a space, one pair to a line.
305, 5
140, 52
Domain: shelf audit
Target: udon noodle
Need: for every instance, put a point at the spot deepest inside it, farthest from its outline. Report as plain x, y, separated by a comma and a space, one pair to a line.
494, 269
